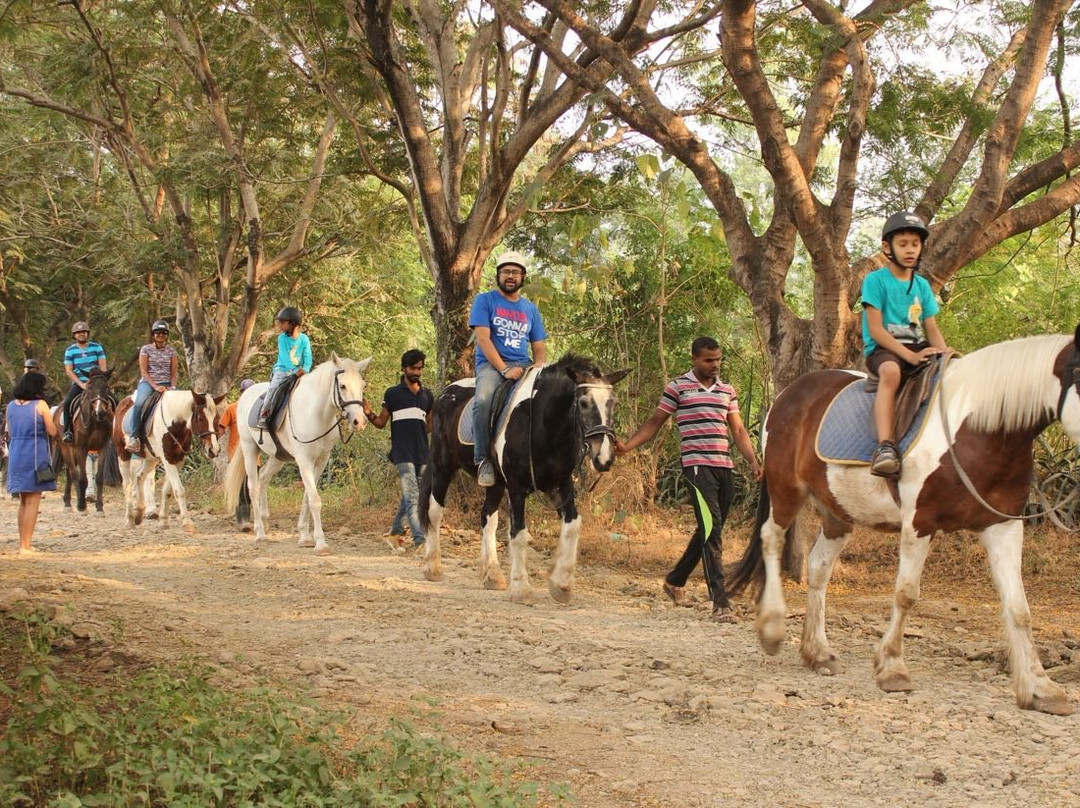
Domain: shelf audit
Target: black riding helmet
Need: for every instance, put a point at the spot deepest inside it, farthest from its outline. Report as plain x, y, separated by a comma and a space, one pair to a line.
289, 314
159, 325
904, 220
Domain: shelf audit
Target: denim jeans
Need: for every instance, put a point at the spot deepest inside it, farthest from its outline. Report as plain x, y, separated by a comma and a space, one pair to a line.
487, 380
409, 507
277, 378
142, 392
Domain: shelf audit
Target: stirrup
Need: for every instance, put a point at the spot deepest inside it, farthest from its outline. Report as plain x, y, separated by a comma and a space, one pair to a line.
886, 460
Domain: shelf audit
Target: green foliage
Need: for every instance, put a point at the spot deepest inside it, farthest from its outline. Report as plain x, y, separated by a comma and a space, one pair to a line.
164, 737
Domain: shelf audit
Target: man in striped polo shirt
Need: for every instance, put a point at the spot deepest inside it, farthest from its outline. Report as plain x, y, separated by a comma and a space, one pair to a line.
81, 357
407, 406
707, 414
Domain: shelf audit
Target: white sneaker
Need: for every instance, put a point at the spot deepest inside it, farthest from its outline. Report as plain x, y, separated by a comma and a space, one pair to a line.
133, 445
485, 474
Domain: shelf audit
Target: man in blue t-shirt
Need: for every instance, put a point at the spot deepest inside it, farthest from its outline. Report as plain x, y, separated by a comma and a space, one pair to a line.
506, 326
407, 406
81, 357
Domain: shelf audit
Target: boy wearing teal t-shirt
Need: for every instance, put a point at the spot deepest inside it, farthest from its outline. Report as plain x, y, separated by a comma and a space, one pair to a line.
293, 359
899, 327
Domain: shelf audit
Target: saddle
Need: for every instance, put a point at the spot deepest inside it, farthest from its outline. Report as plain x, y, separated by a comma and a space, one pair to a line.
75, 404
508, 391
847, 436
278, 404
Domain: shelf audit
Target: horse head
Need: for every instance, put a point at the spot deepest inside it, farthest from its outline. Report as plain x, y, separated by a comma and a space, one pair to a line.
349, 387
205, 421
97, 399
594, 407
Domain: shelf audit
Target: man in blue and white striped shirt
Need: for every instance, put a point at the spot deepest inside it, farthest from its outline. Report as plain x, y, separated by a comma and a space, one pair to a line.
81, 357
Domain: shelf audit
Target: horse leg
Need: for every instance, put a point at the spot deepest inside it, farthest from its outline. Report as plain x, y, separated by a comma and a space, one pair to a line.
520, 588
150, 502
78, 457
815, 649
173, 481
258, 482
432, 564
889, 665
1033, 688
303, 524
166, 489
772, 609
312, 504
490, 573
127, 485
562, 574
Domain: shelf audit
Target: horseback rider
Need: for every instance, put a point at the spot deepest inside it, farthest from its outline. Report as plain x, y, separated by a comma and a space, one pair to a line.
159, 370
899, 327
506, 326
293, 359
81, 357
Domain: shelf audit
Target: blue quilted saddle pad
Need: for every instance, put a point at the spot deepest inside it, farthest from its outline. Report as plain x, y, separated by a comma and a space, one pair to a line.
847, 435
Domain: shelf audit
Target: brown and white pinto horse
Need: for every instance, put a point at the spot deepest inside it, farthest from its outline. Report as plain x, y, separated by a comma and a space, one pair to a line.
991, 406
180, 418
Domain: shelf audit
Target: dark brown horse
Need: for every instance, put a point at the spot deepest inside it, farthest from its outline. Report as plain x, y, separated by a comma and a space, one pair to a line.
970, 469
91, 424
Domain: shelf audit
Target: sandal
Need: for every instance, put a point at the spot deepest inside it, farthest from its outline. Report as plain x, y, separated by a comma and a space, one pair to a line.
676, 593
724, 614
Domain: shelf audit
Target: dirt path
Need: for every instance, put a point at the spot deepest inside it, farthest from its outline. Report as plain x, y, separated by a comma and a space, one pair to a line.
630, 701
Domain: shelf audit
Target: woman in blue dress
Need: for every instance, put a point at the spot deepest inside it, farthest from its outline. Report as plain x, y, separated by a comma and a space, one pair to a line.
29, 425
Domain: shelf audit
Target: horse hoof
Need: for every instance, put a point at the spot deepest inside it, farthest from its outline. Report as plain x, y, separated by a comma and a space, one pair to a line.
495, 582
305, 543
189, 528
260, 540
433, 574
152, 515
323, 551
1052, 705
522, 597
828, 666
559, 594
138, 519
896, 683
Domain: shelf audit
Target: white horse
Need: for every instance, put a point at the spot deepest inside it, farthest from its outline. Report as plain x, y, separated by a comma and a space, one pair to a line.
180, 418
327, 400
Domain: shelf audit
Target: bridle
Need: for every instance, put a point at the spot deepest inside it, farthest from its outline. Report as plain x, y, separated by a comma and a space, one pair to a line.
342, 405
1070, 378
199, 436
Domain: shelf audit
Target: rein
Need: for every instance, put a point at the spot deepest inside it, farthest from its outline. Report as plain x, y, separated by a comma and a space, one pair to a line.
1048, 510
166, 433
341, 404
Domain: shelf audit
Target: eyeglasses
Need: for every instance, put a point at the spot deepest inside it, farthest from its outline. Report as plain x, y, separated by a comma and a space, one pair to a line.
513, 273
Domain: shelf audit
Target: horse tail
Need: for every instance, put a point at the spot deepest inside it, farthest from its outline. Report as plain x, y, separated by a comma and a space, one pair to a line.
425, 497
57, 458
234, 480
750, 569
110, 465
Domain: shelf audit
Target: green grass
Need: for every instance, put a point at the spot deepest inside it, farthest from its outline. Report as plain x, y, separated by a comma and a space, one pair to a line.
149, 736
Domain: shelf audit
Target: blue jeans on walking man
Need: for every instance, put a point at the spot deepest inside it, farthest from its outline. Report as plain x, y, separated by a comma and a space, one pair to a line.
409, 507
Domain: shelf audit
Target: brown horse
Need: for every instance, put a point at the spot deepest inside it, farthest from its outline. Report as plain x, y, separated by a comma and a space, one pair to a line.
970, 469
91, 424
178, 420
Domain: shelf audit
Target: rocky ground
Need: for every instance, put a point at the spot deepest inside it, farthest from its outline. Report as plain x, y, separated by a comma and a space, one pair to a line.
622, 696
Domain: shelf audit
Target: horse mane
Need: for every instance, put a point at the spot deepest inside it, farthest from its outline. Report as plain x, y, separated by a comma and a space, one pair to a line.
578, 367
1004, 386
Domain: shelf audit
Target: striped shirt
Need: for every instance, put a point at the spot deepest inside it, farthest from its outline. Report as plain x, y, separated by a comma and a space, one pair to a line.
408, 423
702, 417
83, 360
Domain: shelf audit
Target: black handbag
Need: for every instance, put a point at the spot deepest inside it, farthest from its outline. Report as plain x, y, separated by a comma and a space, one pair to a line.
43, 473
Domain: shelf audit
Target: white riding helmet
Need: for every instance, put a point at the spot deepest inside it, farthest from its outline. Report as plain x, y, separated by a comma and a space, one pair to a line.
511, 257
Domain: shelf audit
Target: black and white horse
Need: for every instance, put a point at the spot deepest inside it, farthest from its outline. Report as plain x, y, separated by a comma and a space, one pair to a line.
558, 415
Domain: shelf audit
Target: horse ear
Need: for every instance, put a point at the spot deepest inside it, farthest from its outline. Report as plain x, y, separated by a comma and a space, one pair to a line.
616, 377
219, 399
361, 366
1076, 338
200, 398
108, 373
334, 357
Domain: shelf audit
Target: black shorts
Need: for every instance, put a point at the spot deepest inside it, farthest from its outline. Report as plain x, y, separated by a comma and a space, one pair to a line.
879, 356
